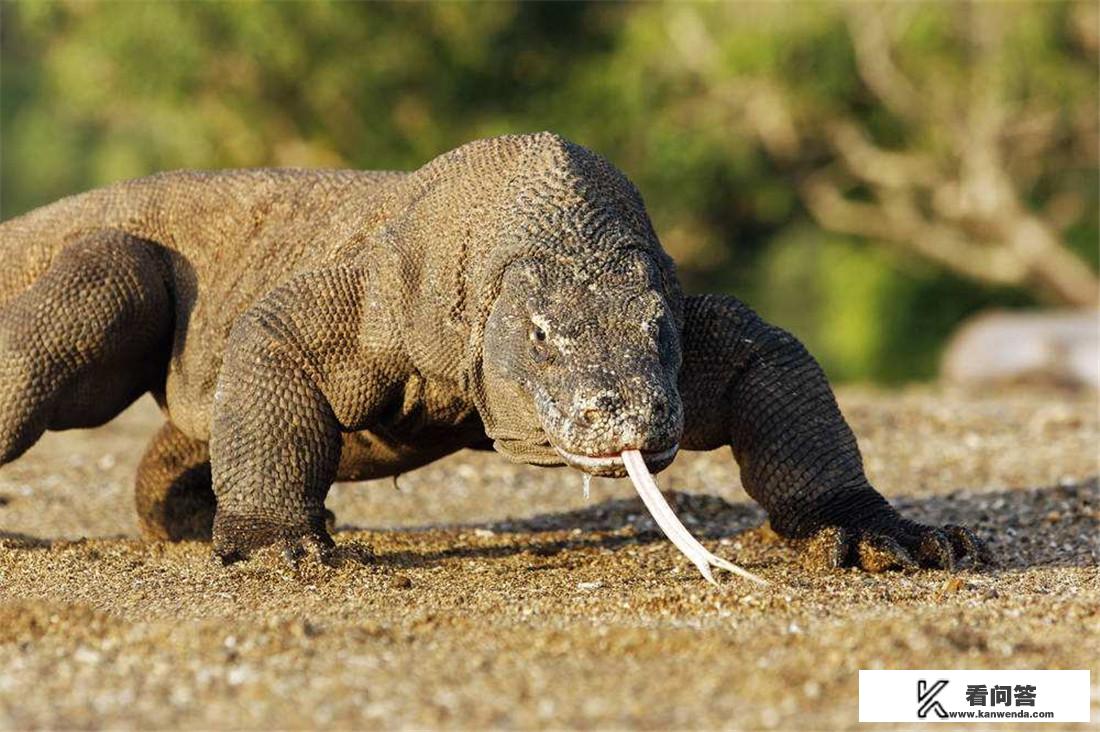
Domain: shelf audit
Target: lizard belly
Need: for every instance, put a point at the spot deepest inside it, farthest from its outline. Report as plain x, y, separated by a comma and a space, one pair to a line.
370, 454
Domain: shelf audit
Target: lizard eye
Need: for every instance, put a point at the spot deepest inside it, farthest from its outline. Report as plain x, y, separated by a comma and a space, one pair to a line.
540, 349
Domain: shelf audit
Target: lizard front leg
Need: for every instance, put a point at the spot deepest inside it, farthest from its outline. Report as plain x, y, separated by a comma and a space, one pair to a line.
173, 490
295, 377
754, 387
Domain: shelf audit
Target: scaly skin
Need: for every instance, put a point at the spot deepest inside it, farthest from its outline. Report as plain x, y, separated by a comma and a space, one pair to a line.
299, 327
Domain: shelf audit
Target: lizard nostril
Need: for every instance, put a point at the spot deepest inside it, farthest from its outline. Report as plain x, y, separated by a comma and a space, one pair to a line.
659, 409
589, 416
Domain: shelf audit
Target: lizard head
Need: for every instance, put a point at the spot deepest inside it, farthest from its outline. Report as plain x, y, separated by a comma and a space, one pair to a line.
581, 363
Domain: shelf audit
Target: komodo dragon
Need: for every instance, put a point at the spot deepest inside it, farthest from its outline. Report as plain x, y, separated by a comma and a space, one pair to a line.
303, 326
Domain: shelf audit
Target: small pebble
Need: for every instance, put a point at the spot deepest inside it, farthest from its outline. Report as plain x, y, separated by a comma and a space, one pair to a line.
952, 585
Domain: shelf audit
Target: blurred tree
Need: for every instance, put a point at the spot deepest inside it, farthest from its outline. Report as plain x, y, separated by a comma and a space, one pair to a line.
774, 144
966, 133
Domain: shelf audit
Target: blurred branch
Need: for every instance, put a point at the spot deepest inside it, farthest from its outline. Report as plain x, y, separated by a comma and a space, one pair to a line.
960, 207
767, 113
871, 41
885, 168
1050, 263
976, 225
898, 221
1085, 26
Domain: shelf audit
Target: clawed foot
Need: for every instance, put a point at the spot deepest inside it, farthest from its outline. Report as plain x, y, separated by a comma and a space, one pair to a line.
898, 544
237, 537
311, 549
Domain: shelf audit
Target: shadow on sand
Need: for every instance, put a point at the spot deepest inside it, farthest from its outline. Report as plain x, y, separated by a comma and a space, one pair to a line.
1055, 526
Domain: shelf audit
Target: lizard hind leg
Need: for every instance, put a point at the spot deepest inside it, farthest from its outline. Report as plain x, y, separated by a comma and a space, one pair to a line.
174, 494
84, 340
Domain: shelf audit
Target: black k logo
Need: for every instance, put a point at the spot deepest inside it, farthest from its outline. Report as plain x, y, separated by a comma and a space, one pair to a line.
926, 698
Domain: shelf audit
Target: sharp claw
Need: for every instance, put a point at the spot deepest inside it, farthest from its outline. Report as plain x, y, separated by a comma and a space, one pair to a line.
321, 549
828, 549
315, 547
935, 548
879, 552
292, 553
839, 549
904, 545
967, 543
230, 557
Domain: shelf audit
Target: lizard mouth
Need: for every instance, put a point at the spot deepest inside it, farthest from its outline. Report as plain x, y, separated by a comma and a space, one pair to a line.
612, 465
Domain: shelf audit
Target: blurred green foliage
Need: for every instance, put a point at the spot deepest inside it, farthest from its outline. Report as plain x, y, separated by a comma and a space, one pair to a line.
91, 93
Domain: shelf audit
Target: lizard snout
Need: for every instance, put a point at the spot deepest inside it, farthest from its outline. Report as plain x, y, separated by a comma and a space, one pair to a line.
590, 412
608, 421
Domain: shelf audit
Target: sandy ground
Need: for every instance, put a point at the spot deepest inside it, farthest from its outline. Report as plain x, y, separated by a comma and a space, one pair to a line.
486, 594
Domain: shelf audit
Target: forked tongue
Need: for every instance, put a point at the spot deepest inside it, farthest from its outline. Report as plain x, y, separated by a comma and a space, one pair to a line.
674, 530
